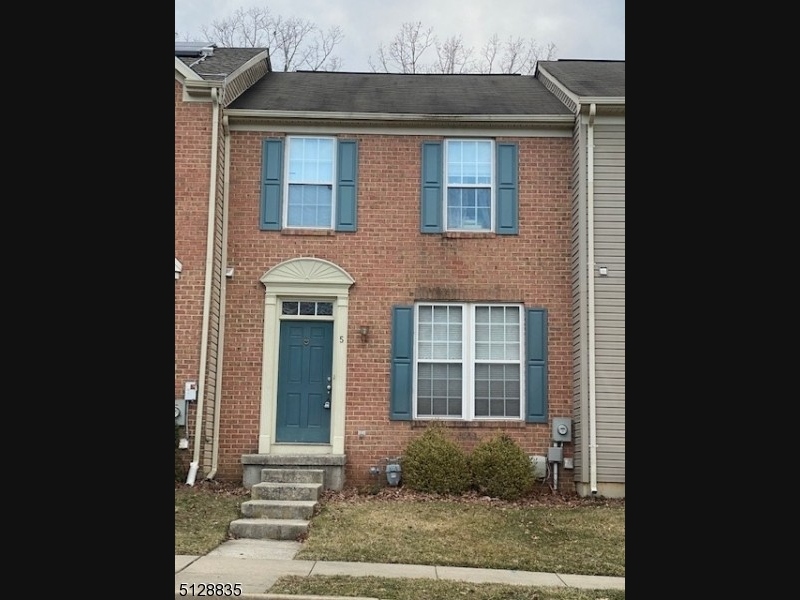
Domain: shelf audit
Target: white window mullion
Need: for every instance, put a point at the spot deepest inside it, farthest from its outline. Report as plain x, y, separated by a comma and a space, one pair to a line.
469, 363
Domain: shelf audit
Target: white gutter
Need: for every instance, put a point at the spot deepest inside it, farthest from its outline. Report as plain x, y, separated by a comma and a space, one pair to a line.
226, 132
212, 191
591, 265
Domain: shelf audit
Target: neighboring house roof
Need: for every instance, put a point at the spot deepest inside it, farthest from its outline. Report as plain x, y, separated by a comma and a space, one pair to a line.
585, 81
395, 93
589, 77
218, 64
580, 84
201, 67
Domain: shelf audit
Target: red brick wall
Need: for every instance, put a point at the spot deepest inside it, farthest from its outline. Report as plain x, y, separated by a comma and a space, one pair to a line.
393, 263
192, 172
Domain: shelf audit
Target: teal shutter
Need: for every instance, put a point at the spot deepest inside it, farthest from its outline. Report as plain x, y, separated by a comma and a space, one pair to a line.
507, 218
271, 184
431, 214
346, 218
402, 366
536, 365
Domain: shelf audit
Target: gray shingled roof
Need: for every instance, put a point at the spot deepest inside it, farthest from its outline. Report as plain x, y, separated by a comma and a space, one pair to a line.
589, 77
323, 91
221, 63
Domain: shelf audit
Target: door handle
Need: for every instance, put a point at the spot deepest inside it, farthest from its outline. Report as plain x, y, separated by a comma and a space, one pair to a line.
327, 403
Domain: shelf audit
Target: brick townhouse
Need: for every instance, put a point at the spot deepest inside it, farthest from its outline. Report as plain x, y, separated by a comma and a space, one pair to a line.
358, 254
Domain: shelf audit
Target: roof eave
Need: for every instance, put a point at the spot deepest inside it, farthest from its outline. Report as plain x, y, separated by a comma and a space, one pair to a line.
264, 116
183, 72
264, 55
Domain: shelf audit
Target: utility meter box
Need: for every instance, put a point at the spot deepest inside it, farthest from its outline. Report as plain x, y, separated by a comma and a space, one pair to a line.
393, 474
562, 429
555, 454
180, 411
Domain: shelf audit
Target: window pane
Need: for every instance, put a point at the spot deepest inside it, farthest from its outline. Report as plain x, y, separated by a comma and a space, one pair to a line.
468, 208
469, 162
310, 160
307, 308
439, 389
425, 314
497, 390
289, 308
324, 308
497, 333
440, 351
439, 333
310, 205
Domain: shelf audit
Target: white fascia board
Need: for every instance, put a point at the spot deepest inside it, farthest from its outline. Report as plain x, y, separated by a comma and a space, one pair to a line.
256, 59
185, 72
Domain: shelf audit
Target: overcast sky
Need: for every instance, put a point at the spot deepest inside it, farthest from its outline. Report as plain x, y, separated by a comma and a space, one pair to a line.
580, 29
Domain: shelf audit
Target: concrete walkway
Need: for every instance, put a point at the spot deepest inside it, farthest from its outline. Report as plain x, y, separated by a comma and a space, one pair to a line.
257, 564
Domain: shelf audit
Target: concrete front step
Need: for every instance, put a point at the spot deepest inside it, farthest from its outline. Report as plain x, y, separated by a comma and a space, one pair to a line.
273, 529
293, 475
278, 509
286, 491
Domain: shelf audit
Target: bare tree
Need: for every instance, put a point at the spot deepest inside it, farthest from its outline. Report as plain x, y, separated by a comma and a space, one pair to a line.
286, 40
318, 55
243, 29
489, 54
294, 43
452, 57
513, 56
521, 56
405, 52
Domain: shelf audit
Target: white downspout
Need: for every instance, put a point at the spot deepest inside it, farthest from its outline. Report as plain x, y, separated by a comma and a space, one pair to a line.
591, 265
212, 192
226, 132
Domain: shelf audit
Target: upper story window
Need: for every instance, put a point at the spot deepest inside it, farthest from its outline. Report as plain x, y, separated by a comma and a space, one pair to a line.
470, 169
310, 185
469, 185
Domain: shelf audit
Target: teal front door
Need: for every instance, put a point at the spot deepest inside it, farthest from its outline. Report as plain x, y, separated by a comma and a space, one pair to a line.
303, 412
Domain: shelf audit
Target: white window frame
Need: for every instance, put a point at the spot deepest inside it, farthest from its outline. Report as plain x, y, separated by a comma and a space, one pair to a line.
468, 361
287, 181
490, 185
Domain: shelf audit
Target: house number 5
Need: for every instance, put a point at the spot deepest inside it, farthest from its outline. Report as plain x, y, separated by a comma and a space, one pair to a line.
341, 339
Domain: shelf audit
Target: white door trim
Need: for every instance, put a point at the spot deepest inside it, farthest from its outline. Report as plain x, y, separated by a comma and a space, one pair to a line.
313, 278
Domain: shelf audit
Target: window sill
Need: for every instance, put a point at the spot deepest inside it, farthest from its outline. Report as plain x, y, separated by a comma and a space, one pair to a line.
324, 232
423, 423
468, 234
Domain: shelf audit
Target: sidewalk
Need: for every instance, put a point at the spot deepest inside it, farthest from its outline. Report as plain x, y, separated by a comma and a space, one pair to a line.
257, 564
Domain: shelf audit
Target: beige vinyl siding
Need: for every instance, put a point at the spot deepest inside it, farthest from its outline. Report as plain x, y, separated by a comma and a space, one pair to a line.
580, 338
212, 359
609, 250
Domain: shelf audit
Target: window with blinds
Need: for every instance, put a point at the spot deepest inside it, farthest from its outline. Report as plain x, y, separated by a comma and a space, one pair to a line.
468, 361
